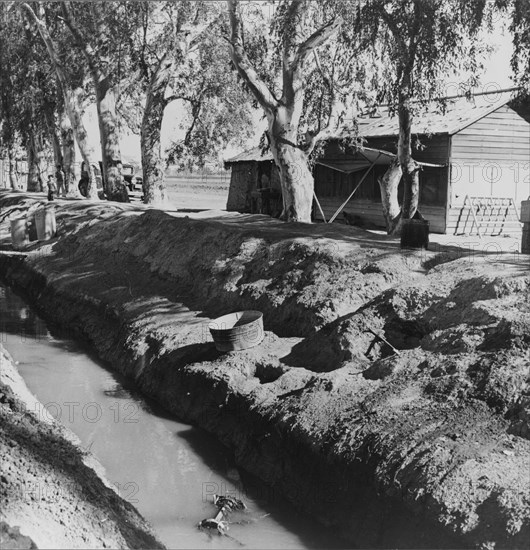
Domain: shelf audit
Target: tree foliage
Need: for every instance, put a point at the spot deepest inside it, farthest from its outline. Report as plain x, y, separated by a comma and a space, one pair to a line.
416, 44
519, 16
30, 100
217, 112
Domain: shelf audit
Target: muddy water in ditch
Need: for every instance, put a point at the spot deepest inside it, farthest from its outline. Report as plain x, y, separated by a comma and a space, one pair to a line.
167, 469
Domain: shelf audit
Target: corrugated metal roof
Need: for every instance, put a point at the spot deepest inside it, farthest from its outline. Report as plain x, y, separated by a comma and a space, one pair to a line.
250, 156
359, 161
459, 114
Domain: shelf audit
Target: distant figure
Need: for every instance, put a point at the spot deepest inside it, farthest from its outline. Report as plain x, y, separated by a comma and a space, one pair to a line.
52, 188
59, 177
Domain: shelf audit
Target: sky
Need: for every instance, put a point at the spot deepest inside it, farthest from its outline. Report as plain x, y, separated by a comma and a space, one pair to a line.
496, 76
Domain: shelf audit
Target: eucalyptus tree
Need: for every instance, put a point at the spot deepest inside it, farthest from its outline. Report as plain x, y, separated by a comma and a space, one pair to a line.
8, 133
98, 30
29, 94
217, 111
36, 109
279, 83
415, 44
70, 75
165, 35
177, 54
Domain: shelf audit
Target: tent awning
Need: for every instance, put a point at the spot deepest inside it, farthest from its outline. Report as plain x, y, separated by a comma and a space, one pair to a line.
363, 159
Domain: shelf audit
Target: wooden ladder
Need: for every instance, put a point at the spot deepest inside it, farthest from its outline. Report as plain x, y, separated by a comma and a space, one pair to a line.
488, 214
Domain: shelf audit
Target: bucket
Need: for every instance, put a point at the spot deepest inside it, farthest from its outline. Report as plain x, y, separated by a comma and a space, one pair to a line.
415, 234
19, 233
237, 331
45, 222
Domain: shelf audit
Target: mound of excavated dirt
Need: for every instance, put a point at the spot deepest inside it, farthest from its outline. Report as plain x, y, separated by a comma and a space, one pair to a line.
50, 495
427, 447
299, 281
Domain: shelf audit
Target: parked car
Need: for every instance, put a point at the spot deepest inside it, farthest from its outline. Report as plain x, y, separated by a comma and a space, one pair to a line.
131, 177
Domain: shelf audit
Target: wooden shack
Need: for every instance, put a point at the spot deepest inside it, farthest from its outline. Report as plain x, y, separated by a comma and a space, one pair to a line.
475, 168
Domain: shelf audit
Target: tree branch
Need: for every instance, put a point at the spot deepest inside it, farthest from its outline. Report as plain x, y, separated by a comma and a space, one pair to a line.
50, 46
315, 40
257, 86
394, 29
196, 110
80, 41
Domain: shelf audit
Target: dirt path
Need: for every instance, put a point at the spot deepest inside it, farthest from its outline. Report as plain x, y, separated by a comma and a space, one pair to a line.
425, 448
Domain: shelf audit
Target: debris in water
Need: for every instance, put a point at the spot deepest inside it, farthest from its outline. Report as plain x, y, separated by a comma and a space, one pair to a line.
225, 504
228, 502
213, 523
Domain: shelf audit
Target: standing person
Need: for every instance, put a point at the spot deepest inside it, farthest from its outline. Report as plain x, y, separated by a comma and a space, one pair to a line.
59, 177
51, 187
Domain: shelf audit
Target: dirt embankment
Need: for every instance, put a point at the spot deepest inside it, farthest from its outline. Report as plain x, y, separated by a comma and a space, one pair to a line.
425, 448
51, 495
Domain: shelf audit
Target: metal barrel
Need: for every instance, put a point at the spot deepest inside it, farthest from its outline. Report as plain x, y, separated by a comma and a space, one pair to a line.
45, 223
415, 234
19, 233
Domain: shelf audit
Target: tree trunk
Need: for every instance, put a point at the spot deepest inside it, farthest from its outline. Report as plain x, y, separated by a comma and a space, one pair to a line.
405, 166
41, 160
110, 144
389, 197
296, 178
105, 101
71, 99
33, 165
55, 140
409, 167
284, 114
68, 154
153, 165
81, 136
13, 175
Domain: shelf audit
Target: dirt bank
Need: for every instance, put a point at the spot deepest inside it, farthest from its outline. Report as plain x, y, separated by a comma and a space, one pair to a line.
425, 448
52, 493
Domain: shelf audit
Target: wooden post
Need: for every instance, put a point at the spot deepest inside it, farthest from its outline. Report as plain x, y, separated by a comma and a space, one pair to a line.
319, 207
472, 208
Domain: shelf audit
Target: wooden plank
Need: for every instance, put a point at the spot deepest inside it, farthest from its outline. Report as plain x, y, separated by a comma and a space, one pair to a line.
486, 157
491, 139
372, 212
436, 147
504, 124
475, 140
498, 132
